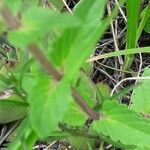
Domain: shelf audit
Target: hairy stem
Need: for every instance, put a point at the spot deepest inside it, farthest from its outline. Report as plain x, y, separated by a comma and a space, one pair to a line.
57, 76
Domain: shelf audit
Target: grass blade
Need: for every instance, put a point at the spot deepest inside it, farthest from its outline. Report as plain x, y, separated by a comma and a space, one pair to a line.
145, 16
132, 7
121, 52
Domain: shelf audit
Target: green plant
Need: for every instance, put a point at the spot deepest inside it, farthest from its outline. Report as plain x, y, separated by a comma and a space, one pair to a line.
136, 22
52, 91
133, 8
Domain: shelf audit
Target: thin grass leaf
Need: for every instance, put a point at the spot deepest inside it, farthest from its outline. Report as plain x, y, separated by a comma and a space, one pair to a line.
145, 17
133, 8
124, 91
58, 4
120, 53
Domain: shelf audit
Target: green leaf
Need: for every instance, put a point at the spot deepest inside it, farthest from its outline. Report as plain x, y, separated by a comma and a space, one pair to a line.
4, 82
2, 25
67, 50
85, 10
103, 91
124, 125
48, 104
80, 143
25, 136
84, 86
12, 110
14, 5
147, 26
38, 21
141, 95
28, 82
139, 148
87, 34
87, 68
57, 4
144, 21
121, 52
27, 4
133, 9
74, 115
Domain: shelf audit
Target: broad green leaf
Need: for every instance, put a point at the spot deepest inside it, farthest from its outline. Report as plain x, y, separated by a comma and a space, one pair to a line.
85, 87
36, 22
80, 143
74, 116
67, 50
88, 34
56, 4
2, 25
85, 10
60, 48
124, 125
27, 4
141, 95
139, 148
103, 91
28, 82
12, 110
87, 68
49, 102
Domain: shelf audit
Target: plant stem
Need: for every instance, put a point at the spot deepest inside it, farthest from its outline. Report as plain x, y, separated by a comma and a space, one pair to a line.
11, 21
57, 76
99, 137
